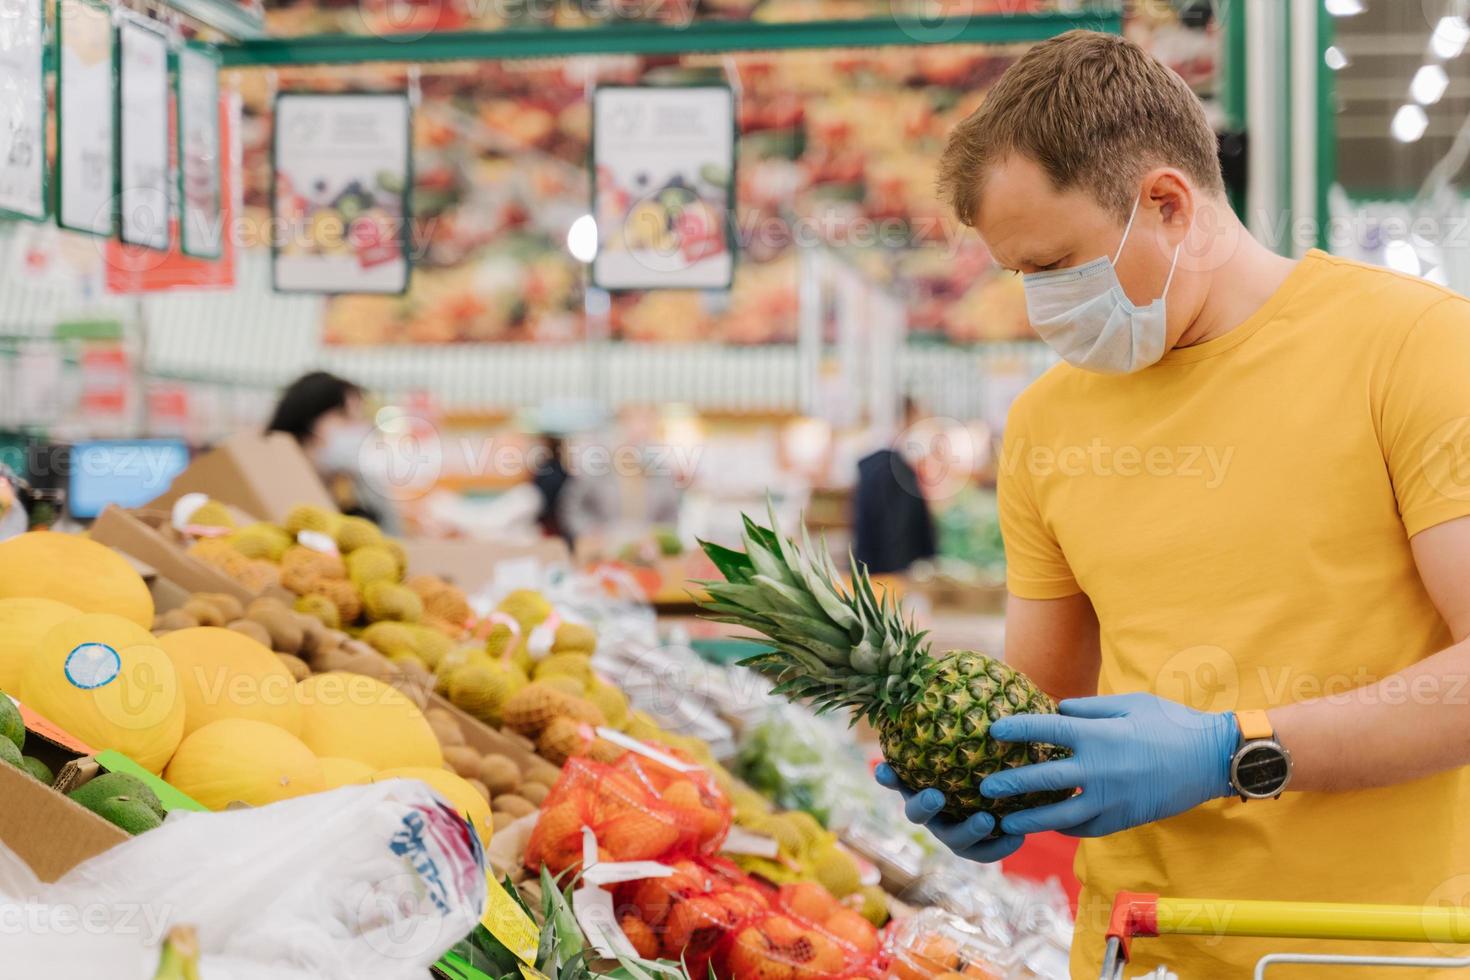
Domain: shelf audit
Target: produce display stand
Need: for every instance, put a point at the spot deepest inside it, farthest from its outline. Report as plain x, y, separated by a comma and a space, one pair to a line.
1138, 914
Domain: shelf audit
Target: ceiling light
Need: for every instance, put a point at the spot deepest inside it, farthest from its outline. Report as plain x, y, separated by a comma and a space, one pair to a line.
1334, 58
1400, 256
582, 238
1408, 123
1449, 37
1429, 84
1344, 8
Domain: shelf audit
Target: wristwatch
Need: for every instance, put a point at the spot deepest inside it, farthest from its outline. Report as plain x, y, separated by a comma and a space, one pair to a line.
1260, 769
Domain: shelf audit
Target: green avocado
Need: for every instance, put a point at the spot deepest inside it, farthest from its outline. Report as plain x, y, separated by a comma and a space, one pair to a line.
115, 784
9, 754
128, 812
12, 726
38, 769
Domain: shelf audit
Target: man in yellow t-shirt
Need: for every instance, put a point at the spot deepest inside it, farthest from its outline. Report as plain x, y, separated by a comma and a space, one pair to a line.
1237, 526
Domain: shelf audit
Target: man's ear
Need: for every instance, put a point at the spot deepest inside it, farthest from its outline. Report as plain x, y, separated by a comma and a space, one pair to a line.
1169, 191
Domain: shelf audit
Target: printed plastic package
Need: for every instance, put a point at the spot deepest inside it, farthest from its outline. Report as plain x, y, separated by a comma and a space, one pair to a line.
374, 880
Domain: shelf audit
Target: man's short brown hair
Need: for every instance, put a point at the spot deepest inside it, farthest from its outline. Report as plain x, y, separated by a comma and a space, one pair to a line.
1095, 111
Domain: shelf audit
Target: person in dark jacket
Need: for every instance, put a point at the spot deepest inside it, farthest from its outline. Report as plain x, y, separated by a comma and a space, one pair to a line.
549, 475
891, 524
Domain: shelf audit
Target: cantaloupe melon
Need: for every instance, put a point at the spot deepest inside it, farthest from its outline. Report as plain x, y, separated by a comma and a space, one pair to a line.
240, 760
23, 621
225, 674
104, 680
337, 772
76, 571
460, 794
354, 716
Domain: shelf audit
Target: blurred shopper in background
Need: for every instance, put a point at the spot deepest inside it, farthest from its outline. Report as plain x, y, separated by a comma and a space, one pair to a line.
891, 524
623, 489
549, 475
327, 416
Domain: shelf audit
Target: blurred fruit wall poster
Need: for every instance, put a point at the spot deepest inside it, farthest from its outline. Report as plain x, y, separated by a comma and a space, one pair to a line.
22, 110
342, 170
143, 144
663, 162
85, 115
200, 160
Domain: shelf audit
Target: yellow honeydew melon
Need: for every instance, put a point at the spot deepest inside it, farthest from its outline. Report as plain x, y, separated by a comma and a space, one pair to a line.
353, 716
460, 794
338, 772
24, 620
104, 680
225, 674
241, 760
76, 571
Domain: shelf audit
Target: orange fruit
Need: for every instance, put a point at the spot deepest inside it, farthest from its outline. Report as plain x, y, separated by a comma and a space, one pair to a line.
652, 898
640, 936
637, 835
751, 958
827, 958
741, 904
809, 900
693, 928
782, 930
851, 928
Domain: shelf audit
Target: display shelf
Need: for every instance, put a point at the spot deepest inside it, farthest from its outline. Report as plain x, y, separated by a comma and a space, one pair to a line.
637, 38
225, 16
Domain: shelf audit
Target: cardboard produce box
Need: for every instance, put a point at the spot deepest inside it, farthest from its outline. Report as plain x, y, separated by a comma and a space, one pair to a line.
146, 537
41, 825
471, 564
262, 475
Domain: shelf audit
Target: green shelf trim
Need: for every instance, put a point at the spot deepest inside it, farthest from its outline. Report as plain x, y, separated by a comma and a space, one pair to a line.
225, 16
697, 38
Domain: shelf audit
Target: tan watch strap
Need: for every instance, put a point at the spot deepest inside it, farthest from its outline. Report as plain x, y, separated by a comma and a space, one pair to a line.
1254, 725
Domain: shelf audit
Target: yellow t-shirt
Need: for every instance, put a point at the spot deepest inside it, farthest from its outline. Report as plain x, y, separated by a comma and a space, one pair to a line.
1239, 515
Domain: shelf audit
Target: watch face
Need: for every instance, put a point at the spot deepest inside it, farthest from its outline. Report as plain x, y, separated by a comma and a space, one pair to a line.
1261, 770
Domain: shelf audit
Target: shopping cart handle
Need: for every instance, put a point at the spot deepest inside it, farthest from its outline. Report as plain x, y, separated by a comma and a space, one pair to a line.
1134, 914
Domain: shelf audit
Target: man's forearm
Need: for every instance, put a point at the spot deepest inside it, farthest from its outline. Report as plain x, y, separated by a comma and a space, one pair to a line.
1410, 724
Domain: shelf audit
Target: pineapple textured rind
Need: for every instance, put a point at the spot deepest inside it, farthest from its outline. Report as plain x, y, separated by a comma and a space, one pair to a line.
846, 646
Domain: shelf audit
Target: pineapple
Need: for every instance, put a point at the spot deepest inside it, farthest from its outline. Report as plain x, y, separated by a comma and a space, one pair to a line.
851, 649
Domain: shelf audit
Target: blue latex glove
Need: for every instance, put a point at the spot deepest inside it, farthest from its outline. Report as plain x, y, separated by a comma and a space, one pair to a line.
970, 838
1136, 757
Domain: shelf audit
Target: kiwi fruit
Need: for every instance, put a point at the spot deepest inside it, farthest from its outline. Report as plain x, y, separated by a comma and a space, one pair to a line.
281, 624
174, 619
252, 629
205, 613
516, 806
464, 760
229, 607
499, 773
297, 666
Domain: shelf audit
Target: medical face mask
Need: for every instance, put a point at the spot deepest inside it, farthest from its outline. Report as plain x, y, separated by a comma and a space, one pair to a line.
1083, 314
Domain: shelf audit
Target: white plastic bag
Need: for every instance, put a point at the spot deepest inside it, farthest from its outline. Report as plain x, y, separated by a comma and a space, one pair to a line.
363, 881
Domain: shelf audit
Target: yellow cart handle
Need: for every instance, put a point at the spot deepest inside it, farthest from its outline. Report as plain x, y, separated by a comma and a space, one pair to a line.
1142, 914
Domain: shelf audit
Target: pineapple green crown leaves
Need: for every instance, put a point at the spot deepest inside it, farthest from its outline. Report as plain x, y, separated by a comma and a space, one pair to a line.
833, 647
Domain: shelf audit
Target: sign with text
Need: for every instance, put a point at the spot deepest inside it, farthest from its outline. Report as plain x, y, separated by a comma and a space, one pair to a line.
86, 107
22, 109
342, 174
663, 164
200, 159
143, 151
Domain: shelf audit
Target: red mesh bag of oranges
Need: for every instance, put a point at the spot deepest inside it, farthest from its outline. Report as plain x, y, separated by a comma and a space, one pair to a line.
808, 935
627, 816
693, 790
688, 914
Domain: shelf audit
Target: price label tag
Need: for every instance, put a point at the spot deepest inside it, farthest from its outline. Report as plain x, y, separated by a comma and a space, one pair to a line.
510, 924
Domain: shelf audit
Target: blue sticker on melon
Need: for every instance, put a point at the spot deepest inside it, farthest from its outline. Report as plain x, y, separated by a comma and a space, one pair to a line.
92, 665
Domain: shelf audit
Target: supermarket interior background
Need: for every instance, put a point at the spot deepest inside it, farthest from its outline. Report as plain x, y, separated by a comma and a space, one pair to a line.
529, 299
